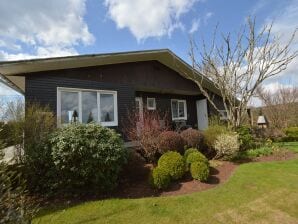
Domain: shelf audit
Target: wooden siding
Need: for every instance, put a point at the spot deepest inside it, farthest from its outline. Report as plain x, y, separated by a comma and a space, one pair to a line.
144, 79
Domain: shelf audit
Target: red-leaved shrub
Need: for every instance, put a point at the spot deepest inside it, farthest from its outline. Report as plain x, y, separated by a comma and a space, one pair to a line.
170, 141
145, 130
192, 137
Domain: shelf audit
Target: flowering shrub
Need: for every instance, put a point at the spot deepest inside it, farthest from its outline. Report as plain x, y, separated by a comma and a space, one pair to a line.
173, 164
211, 134
192, 137
170, 141
226, 146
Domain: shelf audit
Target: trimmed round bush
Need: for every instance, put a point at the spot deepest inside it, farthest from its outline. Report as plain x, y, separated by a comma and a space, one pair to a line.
172, 163
199, 171
170, 141
188, 151
160, 179
192, 137
87, 157
196, 157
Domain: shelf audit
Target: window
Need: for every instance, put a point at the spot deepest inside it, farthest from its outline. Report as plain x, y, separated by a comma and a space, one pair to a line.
151, 104
223, 115
80, 105
179, 111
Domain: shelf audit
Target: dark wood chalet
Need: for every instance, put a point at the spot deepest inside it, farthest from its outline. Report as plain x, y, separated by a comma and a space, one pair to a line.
106, 87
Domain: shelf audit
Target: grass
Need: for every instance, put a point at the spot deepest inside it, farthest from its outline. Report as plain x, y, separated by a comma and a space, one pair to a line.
293, 146
256, 193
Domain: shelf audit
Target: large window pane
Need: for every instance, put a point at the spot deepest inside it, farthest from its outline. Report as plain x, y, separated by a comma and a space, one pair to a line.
174, 108
89, 107
69, 107
181, 109
107, 107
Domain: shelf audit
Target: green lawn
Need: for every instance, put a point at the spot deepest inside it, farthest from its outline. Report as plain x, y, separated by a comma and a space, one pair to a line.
289, 145
256, 193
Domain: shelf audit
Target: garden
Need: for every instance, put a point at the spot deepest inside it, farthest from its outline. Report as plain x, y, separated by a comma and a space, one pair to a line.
85, 169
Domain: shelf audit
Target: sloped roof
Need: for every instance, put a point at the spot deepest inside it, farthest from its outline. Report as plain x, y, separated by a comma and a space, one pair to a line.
13, 72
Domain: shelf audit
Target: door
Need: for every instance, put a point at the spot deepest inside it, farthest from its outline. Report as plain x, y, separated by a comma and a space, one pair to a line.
202, 114
139, 108
139, 113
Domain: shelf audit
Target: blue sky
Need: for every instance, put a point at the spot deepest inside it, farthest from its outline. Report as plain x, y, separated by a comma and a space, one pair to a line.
34, 28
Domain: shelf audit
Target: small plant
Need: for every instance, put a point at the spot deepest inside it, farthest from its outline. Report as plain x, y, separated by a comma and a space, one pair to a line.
211, 134
160, 179
192, 137
172, 163
226, 146
87, 157
170, 141
199, 171
196, 157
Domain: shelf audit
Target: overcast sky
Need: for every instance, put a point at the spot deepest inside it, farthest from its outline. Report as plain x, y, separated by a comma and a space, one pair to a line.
35, 28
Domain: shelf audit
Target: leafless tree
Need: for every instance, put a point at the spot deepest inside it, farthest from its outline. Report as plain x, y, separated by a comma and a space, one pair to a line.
238, 66
280, 107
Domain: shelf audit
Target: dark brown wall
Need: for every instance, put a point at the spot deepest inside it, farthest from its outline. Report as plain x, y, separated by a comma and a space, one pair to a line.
126, 78
163, 104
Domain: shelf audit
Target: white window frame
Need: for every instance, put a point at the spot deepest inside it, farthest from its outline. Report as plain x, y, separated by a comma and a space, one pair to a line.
79, 91
185, 109
154, 103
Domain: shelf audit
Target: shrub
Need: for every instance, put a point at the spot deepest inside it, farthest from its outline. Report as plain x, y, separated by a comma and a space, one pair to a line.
15, 206
272, 133
245, 138
146, 130
38, 125
199, 171
188, 151
172, 163
87, 157
226, 146
192, 137
211, 134
170, 141
160, 179
291, 134
196, 157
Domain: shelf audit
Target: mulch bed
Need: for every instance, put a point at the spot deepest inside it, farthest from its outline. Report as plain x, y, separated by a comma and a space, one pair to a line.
135, 181
137, 185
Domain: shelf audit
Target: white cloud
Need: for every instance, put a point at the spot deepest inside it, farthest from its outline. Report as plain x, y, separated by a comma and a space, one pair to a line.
148, 18
195, 26
35, 28
207, 17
